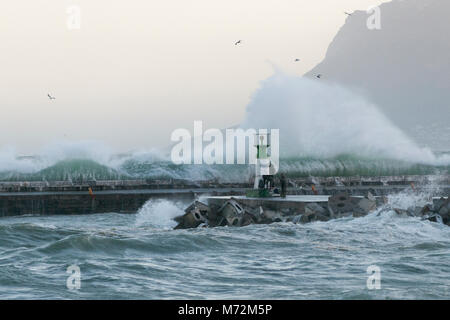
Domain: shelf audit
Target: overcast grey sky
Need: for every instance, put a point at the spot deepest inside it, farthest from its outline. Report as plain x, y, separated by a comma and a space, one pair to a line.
138, 69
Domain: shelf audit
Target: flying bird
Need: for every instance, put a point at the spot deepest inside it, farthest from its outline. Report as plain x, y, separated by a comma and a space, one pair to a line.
319, 76
296, 60
349, 14
50, 97
237, 42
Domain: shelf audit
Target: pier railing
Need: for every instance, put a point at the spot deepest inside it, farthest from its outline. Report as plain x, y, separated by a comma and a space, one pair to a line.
294, 183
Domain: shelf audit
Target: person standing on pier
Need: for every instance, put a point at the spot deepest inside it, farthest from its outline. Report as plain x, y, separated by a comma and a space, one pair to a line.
283, 185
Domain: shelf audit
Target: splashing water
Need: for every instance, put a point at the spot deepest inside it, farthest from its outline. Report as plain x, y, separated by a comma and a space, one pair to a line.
158, 214
325, 121
325, 130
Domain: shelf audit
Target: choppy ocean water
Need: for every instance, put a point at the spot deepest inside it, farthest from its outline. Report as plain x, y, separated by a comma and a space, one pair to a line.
139, 256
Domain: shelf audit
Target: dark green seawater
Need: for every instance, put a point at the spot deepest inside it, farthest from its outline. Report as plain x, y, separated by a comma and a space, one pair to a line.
147, 167
140, 256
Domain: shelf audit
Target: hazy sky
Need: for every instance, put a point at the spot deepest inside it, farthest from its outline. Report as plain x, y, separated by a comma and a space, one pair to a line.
138, 69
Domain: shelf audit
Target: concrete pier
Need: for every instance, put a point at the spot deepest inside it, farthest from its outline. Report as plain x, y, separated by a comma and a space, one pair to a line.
275, 203
127, 196
82, 202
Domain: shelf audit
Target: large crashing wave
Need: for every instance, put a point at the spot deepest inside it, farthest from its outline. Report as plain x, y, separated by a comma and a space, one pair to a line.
325, 130
148, 166
325, 121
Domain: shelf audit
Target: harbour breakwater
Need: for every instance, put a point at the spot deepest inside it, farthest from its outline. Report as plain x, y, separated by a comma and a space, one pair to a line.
127, 196
242, 211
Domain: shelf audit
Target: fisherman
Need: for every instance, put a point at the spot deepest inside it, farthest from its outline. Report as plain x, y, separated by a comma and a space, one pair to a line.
283, 185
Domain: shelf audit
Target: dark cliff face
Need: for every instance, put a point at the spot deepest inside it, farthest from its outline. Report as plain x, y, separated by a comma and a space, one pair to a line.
404, 67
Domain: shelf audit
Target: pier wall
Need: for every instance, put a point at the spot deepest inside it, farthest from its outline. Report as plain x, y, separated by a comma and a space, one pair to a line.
54, 203
127, 196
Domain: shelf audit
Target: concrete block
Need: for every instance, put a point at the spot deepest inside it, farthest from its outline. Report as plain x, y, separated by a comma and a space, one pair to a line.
340, 203
433, 218
233, 213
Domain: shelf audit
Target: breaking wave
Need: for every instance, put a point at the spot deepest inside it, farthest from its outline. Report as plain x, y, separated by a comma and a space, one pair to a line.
325, 130
324, 121
159, 214
151, 167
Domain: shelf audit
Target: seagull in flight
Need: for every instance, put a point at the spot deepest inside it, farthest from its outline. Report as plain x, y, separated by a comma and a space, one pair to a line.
319, 76
296, 60
349, 14
237, 42
50, 97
